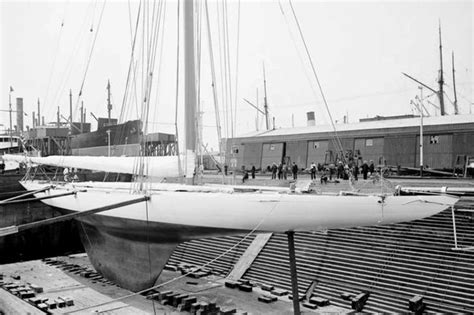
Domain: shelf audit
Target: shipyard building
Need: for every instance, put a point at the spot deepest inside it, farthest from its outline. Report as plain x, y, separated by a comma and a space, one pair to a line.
448, 142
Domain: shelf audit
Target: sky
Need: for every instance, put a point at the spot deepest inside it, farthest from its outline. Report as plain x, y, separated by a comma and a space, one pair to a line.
358, 49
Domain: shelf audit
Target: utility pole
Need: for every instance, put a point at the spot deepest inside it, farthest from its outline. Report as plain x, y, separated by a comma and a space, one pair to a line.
109, 104
456, 110
441, 79
265, 104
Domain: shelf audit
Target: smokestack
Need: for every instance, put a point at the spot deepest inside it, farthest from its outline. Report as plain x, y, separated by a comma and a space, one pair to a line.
42, 121
310, 119
39, 112
19, 113
33, 117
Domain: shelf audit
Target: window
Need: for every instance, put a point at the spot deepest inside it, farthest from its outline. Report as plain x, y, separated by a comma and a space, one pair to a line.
272, 147
316, 145
434, 139
369, 142
235, 149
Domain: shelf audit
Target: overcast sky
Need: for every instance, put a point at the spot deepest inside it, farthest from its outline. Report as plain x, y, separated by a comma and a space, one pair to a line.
359, 50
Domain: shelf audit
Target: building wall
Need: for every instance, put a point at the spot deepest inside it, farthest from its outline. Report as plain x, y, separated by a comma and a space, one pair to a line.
297, 151
463, 144
235, 150
369, 148
272, 153
401, 150
252, 155
317, 152
437, 151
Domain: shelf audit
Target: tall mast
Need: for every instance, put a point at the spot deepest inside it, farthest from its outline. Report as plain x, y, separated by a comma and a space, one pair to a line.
265, 104
189, 89
441, 80
456, 111
109, 104
70, 109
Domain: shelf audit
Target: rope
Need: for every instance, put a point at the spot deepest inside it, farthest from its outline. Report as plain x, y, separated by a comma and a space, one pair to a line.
317, 79
185, 275
90, 55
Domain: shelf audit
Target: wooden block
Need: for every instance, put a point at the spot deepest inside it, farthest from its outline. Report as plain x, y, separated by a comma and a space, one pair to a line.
346, 296
319, 301
35, 300
266, 287
60, 302
171, 268
245, 287
68, 300
231, 284
300, 297
177, 299
228, 310
244, 281
279, 292
189, 300
416, 304
26, 294
358, 302
36, 288
194, 307
16, 276
43, 306
51, 304
310, 305
162, 295
267, 299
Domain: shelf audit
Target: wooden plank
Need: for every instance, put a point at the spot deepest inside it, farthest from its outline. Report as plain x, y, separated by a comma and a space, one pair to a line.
249, 256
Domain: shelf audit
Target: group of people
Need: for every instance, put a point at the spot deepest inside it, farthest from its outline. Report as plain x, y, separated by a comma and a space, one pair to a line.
339, 170
281, 170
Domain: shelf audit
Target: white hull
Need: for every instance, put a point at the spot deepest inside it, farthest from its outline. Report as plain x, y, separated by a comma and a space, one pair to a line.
267, 211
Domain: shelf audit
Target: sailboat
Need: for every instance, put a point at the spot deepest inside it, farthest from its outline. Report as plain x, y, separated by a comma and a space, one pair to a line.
131, 244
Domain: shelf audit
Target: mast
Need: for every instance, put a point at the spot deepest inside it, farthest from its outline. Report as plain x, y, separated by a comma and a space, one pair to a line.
189, 90
70, 109
441, 79
456, 110
109, 104
10, 112
265, 104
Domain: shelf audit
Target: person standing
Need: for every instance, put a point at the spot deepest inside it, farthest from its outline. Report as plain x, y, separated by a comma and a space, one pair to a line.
294, 170
365, 169
253, 170
274, 170
340, 170
280, 171
371, 167
285, 171
313, 171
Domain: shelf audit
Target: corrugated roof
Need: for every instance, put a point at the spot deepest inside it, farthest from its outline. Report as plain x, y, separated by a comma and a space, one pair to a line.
379, 124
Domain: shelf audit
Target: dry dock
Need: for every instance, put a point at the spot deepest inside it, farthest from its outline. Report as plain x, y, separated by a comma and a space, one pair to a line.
72, 286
